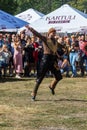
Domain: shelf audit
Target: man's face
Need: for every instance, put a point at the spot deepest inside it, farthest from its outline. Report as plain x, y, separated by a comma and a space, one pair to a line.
52, 34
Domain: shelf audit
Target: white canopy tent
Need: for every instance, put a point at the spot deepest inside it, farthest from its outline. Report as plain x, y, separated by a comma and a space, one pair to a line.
64, 19
29, 16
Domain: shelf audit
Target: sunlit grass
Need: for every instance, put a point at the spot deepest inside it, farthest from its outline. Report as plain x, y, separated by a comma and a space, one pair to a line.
67, 110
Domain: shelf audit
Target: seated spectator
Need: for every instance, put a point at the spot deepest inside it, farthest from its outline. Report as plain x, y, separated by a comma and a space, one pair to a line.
63, 64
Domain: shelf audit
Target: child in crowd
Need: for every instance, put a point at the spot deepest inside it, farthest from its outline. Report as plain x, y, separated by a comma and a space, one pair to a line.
5, 55
63, 64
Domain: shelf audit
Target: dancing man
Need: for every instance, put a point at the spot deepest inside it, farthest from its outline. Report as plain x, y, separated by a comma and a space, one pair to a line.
50, 46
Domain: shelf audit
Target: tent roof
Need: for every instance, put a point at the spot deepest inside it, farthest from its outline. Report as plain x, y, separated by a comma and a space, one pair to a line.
8, 21
30, 15
64, 19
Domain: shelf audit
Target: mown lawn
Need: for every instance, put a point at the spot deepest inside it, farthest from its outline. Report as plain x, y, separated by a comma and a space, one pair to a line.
67, 110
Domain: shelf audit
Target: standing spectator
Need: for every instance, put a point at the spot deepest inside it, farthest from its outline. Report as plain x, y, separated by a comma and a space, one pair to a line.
22, 39
35, 52
28, 57
83, 54
40, 54
5, 55
73, 55
11, 66
1, 40
18, 57
23, 43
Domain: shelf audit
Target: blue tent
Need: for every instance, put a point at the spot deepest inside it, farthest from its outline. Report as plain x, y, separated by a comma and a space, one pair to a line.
8, 21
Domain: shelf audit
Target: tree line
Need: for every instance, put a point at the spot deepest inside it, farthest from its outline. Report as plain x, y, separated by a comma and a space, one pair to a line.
45, 6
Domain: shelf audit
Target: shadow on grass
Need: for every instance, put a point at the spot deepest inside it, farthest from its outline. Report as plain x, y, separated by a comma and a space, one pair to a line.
73, 100
64, 99
13, 79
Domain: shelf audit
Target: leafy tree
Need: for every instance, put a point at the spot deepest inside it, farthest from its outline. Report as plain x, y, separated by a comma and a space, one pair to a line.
79, 4
9, 6
44, 6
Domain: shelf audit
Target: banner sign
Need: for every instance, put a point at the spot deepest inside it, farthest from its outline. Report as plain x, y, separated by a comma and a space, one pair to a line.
60, 19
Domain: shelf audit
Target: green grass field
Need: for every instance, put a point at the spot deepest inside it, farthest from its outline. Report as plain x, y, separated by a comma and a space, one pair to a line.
66, 110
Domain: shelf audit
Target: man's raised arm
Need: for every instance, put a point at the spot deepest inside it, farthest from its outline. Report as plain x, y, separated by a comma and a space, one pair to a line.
43, 38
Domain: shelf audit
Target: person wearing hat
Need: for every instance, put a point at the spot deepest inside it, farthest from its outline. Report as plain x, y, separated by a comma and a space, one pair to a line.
50, 46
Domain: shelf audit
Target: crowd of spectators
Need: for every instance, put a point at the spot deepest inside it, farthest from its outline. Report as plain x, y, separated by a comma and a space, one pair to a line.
20, 55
